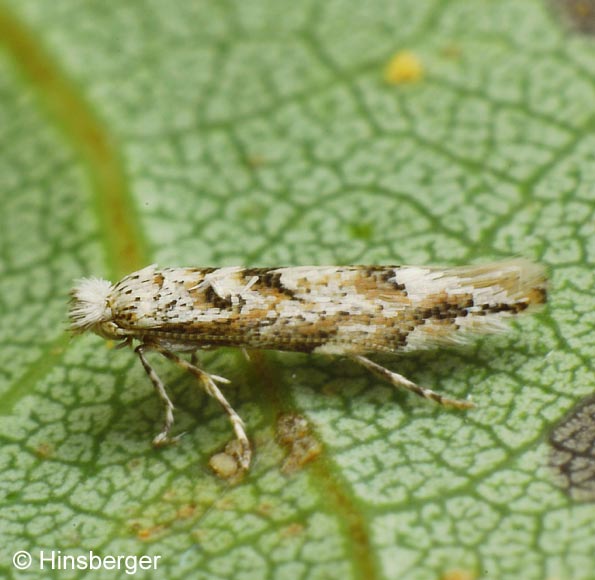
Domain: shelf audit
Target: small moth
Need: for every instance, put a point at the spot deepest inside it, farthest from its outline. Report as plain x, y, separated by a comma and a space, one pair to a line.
350, 311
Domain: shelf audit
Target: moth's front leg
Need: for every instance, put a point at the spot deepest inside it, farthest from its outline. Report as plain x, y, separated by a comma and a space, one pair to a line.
163, 438
207, 380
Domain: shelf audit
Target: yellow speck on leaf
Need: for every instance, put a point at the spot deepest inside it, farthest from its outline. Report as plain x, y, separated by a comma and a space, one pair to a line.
403, 67
458, 575
292, 530
186, 511
149, 533
583, 9
44, 450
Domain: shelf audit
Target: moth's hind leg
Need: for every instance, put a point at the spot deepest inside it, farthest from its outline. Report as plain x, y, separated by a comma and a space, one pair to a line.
400, 381
163, 438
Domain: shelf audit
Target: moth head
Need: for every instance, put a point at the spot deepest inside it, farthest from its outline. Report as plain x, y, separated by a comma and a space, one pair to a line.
90, 308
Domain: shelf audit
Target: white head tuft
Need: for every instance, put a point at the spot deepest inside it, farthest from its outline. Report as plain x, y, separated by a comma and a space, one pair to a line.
89, 305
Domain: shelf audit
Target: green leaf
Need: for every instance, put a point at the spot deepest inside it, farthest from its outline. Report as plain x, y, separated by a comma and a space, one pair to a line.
264, 133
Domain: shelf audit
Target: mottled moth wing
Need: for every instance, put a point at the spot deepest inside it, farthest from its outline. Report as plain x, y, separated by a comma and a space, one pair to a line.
333, 310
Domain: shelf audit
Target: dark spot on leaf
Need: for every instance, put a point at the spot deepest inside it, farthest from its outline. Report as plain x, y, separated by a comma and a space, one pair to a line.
573, 451
578, 14
293, 433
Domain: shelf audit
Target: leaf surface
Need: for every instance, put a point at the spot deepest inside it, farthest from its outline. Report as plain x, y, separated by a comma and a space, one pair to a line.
263, 133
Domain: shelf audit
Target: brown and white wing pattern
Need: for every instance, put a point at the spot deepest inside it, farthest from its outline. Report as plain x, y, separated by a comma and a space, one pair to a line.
333, 310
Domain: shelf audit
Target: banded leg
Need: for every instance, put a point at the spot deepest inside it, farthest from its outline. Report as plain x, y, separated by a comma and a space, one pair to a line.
400, 381
208, 382
163, 438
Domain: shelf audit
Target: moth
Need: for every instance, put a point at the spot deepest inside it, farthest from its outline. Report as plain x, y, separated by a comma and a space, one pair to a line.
349, 311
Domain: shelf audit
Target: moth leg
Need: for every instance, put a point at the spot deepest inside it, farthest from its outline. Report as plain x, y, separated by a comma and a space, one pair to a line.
163, 438
208, 382
400, 381
216, 378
